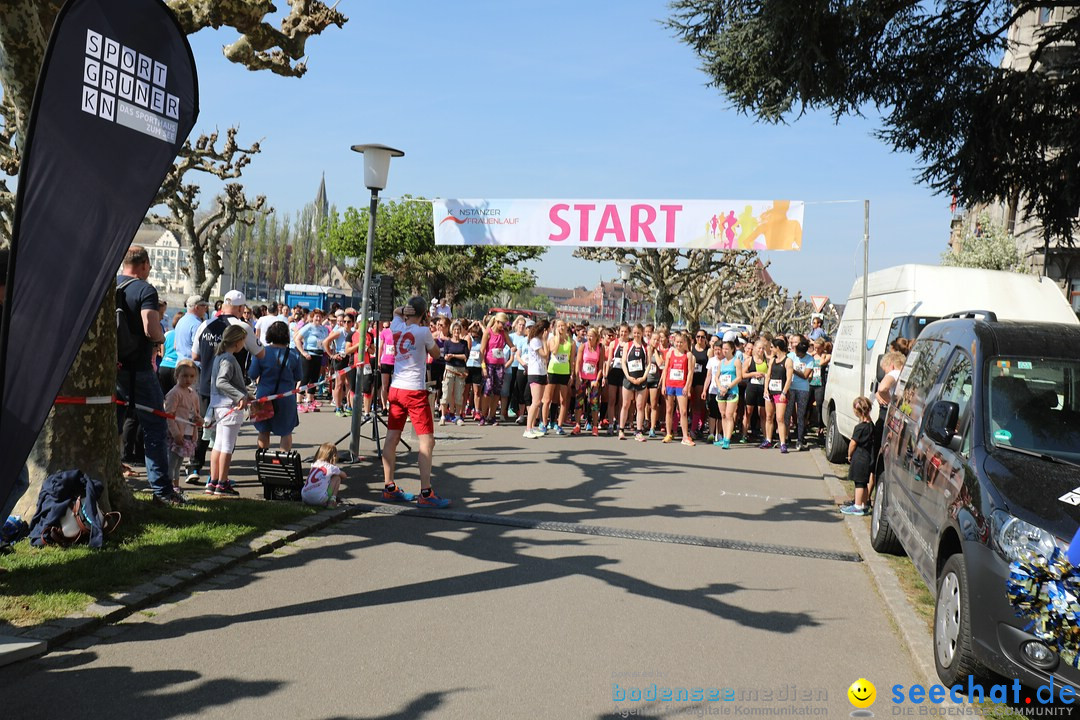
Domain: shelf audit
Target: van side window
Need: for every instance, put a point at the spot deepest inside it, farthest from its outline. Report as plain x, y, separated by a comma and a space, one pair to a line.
919, 376
958, 387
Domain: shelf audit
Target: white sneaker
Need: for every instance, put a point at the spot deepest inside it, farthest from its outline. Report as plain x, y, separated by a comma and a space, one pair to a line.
460, 422
442, 421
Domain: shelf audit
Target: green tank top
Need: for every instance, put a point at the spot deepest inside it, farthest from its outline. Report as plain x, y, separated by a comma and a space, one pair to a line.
559, 364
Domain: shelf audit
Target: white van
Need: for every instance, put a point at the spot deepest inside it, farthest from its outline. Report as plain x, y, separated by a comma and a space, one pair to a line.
902, 301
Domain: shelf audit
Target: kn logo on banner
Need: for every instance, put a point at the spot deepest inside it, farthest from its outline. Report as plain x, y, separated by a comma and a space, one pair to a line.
128, 87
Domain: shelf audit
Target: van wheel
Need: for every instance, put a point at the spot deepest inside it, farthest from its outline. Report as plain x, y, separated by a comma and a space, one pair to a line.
835, 444
882, 537
953, 653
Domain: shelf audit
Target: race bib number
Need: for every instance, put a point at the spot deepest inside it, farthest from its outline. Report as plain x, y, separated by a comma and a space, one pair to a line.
817, 373
799, 367
634, 366
677, 374
776, 385
474, 356
367, 369
588, 368
725, 381
757, 381
561, 358
616, 363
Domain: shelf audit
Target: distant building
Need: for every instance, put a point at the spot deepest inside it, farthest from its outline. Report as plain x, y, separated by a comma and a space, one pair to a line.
169, 265
601, 305
1059, 262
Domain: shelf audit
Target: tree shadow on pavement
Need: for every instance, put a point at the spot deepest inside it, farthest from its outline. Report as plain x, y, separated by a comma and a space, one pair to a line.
119, 692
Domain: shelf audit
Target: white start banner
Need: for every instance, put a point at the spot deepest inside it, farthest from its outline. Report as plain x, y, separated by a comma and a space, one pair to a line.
712, 224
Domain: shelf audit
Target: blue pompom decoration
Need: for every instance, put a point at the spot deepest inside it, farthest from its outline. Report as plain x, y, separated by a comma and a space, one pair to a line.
1046, 592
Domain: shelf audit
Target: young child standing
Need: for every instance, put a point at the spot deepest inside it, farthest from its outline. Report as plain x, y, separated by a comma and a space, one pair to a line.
228, 397
182, 402
860, 457
324, 479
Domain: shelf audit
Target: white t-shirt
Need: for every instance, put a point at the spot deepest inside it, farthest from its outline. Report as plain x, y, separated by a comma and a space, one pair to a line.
537, 366
411, 345
263, 324
713, 366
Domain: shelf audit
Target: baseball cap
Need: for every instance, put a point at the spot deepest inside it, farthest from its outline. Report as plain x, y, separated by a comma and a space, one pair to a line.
235, 297
195, 301
731, 336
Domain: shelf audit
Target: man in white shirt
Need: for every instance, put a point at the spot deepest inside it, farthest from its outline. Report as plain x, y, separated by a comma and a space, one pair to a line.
413, 343
263, 324
443, 309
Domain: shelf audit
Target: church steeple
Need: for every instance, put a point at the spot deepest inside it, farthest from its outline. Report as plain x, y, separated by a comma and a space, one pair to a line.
322, 205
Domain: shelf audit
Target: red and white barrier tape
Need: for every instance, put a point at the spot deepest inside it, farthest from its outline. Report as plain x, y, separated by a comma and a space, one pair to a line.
111, 399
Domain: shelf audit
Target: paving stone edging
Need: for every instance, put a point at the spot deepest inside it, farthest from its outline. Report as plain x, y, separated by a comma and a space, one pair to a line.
51, 635
912, 628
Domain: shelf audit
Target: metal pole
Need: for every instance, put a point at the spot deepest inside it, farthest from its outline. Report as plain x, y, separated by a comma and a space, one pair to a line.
865, 291
358, 397
622, 304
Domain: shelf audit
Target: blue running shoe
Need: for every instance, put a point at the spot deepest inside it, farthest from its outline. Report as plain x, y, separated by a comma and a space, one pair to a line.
559, 430
397, 495
431, 501
727, 444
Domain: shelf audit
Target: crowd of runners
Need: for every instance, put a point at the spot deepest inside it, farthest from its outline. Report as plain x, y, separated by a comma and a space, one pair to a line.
551, 377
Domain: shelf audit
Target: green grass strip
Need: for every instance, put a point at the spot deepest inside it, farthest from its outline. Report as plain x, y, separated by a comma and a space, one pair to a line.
45, 583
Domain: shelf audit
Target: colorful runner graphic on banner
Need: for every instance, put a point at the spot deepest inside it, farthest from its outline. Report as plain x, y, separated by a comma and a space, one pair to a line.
712, 224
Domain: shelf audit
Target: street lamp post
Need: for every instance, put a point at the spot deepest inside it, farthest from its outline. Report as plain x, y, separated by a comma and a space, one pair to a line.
376, 168
624, 272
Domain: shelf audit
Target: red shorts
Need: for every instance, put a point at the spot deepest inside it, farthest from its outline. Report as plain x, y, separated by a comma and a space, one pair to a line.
414, 405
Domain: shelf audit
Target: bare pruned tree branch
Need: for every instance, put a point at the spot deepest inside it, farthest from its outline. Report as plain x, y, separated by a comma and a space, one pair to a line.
261, 46
204, 234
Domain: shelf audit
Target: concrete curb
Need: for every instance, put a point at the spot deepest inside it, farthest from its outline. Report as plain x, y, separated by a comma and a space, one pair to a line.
911, 627
37, 640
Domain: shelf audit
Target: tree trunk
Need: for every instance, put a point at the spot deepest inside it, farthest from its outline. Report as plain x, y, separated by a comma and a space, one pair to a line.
72, 429
664, 298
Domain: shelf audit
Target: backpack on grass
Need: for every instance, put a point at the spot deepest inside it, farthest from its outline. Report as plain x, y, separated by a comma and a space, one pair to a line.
68, 512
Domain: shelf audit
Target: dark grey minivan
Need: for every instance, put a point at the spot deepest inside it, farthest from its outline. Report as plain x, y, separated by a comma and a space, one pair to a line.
981, 464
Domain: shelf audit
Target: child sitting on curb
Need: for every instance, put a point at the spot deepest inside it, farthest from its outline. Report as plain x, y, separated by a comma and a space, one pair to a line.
325, 478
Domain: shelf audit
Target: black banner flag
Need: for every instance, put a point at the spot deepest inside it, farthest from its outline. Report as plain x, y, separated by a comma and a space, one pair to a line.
115, 100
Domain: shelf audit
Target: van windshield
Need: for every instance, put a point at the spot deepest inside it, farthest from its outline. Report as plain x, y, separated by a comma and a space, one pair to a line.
1033, 405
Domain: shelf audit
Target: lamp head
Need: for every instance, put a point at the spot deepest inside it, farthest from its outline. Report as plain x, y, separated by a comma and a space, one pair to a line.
377, 163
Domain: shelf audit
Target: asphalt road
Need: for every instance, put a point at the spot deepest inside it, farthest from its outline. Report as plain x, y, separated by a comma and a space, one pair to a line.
680, 567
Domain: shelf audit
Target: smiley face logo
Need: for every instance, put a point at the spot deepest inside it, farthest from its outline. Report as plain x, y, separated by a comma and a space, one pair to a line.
862, 693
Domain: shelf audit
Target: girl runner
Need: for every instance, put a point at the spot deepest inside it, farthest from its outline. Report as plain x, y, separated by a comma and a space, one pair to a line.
726, 379
456, 352
590, 362
658, 348
700, 351
335, 344
633, 385
560, 372
755, 368
536, 367
386, 364
680, 369
615, 373
475, 378
493, 366
712, 368
309, 341
776, 390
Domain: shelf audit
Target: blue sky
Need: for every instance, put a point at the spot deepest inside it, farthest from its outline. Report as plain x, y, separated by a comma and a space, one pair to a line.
560, 100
